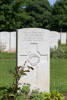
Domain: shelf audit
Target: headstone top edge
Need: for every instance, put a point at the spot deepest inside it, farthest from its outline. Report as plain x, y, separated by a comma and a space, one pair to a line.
26, 29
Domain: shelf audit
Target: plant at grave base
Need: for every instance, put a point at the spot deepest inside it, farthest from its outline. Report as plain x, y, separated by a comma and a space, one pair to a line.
57, 96
54, 95
36, 96
47, 96
12, 92
21, 97
26, 89
21, 71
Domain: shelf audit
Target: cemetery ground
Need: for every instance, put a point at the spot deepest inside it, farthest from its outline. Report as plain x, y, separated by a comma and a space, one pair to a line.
7, 64
58, 71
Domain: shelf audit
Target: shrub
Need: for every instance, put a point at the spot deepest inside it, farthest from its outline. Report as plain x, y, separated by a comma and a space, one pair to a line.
54, 95
60, 52
36, 96
21, 97
47, 96
57, 96
26, 89
7, 94
1, 94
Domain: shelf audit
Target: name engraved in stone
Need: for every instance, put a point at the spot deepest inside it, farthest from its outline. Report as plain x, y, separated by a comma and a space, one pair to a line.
33, 37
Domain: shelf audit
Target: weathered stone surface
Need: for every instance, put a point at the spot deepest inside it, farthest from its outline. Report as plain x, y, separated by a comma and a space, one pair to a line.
33, 47
8, 41
63, 38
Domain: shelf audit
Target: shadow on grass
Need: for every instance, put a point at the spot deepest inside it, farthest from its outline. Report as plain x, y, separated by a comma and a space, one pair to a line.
2, 88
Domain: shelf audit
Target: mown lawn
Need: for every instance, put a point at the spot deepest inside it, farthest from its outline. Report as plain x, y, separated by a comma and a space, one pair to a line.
59, 74
58, 70
7, 67
7, 55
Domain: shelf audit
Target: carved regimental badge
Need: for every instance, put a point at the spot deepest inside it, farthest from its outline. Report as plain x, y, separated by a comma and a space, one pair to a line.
34, 58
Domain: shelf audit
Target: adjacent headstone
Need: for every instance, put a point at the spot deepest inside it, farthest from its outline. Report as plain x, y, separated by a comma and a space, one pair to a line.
8, 41
33, 47
53, 37
59, 36
13, 41
4, 40
63, 38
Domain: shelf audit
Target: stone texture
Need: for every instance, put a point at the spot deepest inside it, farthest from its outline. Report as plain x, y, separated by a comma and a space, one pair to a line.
33, 47
63, 38
8, 40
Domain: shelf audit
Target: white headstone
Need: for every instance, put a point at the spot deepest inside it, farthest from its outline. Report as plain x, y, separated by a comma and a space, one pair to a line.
63, 38
8, 41
13, 41
59, 36
53, 37
34, 48
4, 39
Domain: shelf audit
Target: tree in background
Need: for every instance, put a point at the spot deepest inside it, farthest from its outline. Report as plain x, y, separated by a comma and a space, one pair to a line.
38, 13
10, 14
59, 16
16, 14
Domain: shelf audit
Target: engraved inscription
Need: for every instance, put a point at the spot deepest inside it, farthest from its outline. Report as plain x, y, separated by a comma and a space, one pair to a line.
32, 36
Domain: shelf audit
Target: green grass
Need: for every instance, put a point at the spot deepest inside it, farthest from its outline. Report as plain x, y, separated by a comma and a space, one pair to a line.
7, 67
7, 55
59, 74
63, 47
60, 52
